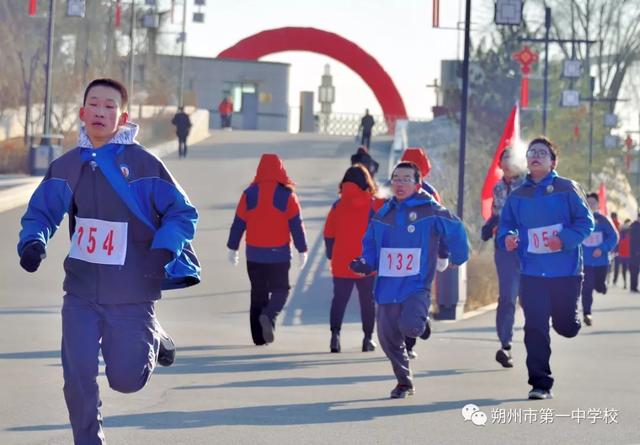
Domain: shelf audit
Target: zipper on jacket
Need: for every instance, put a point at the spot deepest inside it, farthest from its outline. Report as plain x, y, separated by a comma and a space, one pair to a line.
95, 215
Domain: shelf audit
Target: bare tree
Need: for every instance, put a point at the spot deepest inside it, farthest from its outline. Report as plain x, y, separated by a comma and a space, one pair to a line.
616, 27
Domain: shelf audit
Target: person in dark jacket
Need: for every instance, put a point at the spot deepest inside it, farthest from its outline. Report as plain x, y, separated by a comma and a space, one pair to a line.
366, 125
507, 263
546, 220
596, 249
269, 212
183, 125
362, 156
130, 225
343, 231
634, 254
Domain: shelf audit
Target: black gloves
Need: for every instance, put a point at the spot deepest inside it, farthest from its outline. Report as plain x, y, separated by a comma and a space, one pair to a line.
360, 266
155, 262
32, 256
488, 227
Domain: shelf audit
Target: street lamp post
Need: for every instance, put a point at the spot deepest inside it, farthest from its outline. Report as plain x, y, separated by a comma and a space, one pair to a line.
46, 132
131, 50
463, 108
183, 38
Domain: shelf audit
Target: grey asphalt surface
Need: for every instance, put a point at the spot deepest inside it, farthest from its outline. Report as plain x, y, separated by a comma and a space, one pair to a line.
224, 390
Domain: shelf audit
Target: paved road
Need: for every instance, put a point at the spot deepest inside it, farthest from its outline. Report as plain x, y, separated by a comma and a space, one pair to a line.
224, 390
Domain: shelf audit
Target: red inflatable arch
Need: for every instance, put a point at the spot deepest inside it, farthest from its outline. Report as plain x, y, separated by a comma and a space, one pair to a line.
329, 44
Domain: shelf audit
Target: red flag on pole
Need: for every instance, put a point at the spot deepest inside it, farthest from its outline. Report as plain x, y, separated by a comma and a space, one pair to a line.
33, 7
118, 14
510, 134
436, 13
602, 199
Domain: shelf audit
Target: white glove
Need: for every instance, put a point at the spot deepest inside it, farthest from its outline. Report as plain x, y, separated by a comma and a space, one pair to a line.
234, 257
302, 258
442, 264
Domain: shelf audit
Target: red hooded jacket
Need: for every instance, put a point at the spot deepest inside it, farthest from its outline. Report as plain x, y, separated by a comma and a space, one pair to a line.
269, 211
345, 227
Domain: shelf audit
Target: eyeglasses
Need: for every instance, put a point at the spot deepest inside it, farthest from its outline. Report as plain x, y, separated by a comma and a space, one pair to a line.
403, 181
538, 153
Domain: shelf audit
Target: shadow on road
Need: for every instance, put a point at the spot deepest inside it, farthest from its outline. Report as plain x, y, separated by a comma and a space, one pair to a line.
293, 414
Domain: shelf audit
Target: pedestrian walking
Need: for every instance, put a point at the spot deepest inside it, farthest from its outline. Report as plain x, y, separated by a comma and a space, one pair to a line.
401, 245
596, 250
344, 229
182, 123
131, 226
546, 220
621, 265
366, 126
507, 262
634, 254
269, 211
225, 108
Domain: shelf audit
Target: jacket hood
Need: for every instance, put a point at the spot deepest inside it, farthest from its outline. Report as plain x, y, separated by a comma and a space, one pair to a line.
354, 195
126, 135
419, 198
271, 169
418, 157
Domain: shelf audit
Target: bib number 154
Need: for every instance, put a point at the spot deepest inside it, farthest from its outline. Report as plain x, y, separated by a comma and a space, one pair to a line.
100, 242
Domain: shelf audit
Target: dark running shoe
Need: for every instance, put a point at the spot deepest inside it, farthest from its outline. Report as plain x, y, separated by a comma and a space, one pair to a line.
167, 350
540, 394
412, 354
504, 358
588, 319
368, 345
427, 331
267, 328
402, 391
334, 345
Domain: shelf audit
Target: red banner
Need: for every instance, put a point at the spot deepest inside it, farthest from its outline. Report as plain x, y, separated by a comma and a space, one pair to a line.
602, 199
118, 18
510, 133
33, 7
436, 13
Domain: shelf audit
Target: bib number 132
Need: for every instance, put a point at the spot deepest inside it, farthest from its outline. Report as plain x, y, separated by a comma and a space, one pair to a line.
100, 242
399, 262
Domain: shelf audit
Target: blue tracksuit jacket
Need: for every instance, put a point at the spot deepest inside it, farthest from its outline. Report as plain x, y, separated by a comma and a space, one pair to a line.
415, 226
156, 211
604, 237
535, 212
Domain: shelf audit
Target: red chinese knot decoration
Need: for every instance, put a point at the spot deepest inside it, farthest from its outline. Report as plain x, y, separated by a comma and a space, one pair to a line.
525, 57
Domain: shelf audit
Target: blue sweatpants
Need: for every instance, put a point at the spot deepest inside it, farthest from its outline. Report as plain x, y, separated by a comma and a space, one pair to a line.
508, 269
127, 337
397, 321
594, 279
543, 298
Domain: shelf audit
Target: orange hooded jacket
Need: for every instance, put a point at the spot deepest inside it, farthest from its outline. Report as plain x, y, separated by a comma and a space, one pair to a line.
269, 212
345, 227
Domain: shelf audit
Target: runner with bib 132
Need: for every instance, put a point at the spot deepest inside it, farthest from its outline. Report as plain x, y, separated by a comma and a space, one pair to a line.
401, 244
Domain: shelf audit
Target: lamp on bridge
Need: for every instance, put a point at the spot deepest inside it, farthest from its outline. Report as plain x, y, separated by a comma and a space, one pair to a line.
326, 97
